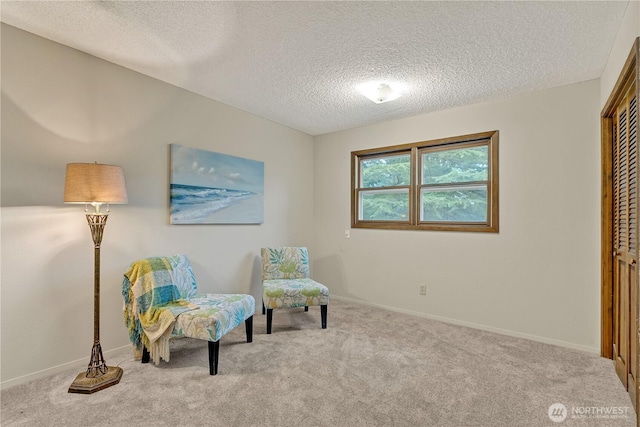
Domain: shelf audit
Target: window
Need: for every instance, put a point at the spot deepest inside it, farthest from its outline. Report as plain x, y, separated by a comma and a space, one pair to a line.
447, 184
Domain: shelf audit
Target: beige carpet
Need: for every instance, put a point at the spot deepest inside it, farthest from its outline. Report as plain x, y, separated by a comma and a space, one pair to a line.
369, 368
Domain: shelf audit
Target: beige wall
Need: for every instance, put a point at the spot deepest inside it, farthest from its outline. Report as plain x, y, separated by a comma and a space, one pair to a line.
61, 106
538, 278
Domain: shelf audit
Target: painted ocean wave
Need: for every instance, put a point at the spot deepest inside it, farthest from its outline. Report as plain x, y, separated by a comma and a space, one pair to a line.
192, 204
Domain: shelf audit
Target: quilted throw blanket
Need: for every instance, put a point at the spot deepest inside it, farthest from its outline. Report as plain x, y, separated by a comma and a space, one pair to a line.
152, 303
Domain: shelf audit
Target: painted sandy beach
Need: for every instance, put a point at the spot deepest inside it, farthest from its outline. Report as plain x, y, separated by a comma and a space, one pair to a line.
197, 205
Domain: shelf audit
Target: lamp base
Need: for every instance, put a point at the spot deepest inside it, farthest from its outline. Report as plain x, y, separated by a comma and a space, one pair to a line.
87, 385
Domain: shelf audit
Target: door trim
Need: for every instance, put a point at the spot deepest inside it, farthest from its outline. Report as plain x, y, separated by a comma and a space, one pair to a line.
629, 72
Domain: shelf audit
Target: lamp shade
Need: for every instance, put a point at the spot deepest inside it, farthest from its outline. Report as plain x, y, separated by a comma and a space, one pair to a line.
94, 183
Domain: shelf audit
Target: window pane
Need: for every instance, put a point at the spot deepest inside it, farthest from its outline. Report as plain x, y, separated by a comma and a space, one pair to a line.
384, 205
458, 165
388, 171
464, 204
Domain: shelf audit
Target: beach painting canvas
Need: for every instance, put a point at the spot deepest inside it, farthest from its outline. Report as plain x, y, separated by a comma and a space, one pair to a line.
213, 188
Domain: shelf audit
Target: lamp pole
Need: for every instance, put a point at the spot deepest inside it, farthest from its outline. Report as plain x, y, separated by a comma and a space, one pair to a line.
98, 375
97, 365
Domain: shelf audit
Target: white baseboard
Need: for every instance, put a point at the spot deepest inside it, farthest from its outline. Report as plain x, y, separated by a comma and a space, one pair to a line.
475, 325
79, 363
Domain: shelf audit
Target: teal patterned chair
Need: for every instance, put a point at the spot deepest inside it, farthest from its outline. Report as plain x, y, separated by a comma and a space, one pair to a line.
162, 302
286, 283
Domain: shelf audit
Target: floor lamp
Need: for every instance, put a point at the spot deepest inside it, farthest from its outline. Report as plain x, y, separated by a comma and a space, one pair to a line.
95, 184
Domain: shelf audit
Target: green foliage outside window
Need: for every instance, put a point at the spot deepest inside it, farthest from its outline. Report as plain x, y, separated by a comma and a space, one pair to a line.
455, 166
387, 206
456, 206
459, 165
387, 171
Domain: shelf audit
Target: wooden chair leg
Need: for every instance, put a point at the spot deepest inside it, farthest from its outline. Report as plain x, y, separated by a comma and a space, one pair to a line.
248, 326
269, 319
306, 308
323, 314
214, 349
145, 355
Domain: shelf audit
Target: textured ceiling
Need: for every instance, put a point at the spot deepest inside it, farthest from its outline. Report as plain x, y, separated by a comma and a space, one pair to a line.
299, 63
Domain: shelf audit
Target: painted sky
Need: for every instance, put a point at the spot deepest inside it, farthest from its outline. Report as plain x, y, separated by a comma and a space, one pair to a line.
192, 166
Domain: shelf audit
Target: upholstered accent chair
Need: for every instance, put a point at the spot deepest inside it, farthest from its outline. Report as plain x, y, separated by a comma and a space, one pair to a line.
162, 302
286, 283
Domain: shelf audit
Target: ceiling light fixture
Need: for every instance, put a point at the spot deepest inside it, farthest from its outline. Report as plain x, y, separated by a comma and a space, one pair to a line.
378, 92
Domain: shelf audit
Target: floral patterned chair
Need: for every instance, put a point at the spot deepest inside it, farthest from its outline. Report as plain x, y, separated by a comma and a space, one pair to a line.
162, 302
286, 283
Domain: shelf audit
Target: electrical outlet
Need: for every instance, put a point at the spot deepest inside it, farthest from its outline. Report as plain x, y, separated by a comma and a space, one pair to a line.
347, 234
423, 289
